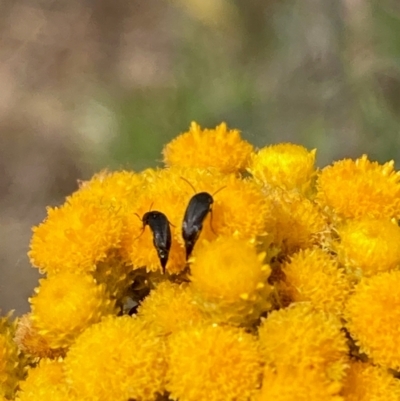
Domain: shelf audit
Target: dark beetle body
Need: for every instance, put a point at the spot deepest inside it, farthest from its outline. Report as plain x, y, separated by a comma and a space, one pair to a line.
196, 212
159, 225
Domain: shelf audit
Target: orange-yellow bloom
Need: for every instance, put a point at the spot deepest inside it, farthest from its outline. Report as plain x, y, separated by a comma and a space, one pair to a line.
170, 307
292, 384
301, 338
315, 276
284, 165
45, 382
114, 189
84, 234
218, 148
366, 382
358, 188
372, 314
118, 359
229, 280
369, 246
297, 222
65, 305
75, 237
213, 363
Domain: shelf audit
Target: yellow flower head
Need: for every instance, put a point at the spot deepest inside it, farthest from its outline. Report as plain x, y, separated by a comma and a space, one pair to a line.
113, 189
229, 280
170, 307
75, 237
292, 384
11, 362
303, 339
366, 382
65, 305
218, 148
358, 188
85, 233
239, 207
118, 359
313, 275
284, 165
212, 362
297, 221
369, 246
31, 343
372, 314
45, 382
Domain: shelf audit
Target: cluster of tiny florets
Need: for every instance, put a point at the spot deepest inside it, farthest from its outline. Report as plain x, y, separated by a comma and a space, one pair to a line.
231, 273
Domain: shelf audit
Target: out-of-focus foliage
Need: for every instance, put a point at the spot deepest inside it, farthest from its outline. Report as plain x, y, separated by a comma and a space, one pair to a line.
87, 85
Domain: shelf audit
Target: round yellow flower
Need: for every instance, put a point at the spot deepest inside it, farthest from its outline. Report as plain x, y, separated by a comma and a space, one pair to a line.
315, 276
284, 165
167, 192
114, 189
75, 237
45, 382
301, 385
65, 305
84, 234
11, 362
218, 148
358, 188
118, 359
170, 307
303, 339
212, 362
372, 314
297, 222
366, 382
369, 246
229, 280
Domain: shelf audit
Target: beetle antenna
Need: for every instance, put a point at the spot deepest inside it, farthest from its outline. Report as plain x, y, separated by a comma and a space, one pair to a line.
218, 190
142, 227
184, 179
140, 234
141, 218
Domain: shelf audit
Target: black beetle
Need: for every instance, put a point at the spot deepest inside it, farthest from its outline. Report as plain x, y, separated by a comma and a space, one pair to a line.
196, 212
159, 225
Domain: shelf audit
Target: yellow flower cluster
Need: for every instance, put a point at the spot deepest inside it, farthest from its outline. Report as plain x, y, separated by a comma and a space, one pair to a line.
230, 274
45, 382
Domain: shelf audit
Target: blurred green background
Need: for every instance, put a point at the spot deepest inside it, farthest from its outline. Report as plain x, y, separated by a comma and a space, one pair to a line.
93, 84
